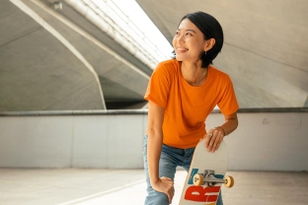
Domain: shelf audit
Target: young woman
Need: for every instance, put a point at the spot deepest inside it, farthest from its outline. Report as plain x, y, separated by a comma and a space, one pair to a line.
181, 93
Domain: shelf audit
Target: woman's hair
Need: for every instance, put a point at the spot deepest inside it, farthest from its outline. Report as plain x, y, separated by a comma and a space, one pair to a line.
210, 28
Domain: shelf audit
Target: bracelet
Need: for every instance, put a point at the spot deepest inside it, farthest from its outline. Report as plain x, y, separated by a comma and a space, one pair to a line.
221, 129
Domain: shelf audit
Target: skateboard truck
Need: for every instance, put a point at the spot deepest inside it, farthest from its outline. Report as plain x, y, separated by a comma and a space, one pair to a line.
208, 177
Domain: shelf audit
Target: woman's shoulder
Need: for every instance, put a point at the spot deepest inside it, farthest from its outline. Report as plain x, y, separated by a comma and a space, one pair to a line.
169, 66
169, 63
218, 77
217, 72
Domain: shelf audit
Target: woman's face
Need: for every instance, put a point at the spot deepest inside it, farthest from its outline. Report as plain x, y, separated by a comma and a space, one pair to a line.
188, 43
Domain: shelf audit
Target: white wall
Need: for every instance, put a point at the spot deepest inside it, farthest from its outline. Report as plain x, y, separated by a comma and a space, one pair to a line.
268, 141
263, 141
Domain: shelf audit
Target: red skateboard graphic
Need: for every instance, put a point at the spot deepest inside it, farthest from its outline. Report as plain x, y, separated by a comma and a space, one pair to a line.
206, 175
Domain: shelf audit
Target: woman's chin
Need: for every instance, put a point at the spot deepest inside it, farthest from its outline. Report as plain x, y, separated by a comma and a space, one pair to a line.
179, 58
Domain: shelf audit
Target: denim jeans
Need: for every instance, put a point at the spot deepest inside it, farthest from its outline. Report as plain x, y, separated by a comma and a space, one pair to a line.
170, 159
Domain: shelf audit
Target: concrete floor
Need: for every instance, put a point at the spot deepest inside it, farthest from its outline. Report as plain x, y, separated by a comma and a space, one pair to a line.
101, 186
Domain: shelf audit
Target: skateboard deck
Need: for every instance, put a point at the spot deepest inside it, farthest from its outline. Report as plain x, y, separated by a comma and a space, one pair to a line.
206, 175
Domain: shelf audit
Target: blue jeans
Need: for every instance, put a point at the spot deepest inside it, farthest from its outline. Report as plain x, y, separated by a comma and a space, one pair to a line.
170, 159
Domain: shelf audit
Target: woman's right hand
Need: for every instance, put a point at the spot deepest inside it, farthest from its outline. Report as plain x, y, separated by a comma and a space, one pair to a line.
155, 140
165, 185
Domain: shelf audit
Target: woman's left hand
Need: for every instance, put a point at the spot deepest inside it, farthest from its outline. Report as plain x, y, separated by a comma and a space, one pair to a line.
213, 139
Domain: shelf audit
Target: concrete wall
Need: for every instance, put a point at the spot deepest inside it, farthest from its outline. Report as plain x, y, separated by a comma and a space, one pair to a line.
263, 141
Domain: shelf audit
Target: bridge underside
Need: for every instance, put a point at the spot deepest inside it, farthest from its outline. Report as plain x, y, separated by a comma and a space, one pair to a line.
265, 50
58, 60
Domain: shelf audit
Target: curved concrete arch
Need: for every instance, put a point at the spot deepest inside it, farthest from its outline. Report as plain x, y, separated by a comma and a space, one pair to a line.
61, 39
61, 61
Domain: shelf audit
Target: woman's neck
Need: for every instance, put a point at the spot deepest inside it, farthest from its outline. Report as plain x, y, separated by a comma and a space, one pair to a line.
193, 73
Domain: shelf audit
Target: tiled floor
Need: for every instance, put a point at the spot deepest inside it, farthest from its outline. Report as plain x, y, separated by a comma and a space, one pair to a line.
100, 186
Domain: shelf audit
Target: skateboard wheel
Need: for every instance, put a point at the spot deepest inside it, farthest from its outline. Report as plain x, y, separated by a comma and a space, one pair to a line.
198, 180
229, 181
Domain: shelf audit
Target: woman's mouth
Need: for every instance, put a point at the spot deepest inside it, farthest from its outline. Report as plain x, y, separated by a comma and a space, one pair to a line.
181, 50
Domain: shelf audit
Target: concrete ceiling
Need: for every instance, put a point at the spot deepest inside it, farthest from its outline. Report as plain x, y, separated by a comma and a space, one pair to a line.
265, 50
58, 60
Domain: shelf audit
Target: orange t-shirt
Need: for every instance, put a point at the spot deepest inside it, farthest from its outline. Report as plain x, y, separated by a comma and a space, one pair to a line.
186, 106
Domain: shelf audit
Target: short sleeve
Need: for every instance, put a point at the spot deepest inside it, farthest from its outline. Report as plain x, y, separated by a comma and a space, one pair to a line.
158, 86
228, 103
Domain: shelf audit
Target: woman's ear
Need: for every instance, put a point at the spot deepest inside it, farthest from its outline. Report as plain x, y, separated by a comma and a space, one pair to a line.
209, 44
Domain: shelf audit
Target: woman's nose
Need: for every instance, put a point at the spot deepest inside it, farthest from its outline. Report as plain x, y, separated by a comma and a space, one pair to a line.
180, 37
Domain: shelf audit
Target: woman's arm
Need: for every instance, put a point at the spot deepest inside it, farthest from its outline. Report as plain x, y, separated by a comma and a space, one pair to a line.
155, 140
216, 135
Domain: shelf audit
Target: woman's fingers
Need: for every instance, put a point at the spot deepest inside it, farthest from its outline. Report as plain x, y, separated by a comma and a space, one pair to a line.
167, 188
213, 139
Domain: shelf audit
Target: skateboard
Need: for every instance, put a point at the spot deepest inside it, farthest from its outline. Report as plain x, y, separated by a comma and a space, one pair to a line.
206, 175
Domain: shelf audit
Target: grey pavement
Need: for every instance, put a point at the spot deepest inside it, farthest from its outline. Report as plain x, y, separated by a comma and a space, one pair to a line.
105, 186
